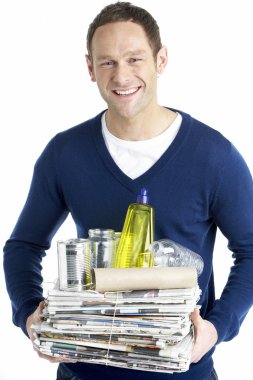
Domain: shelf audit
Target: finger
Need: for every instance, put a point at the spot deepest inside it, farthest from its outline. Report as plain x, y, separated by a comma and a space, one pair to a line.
195, 316
41, 308
53, 359
195, 358
196, 352
196, 320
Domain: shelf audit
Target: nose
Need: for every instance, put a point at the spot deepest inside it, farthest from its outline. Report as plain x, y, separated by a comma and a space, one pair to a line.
122, 74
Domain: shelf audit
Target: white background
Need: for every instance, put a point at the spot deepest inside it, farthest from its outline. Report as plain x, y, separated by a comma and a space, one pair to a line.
45, 88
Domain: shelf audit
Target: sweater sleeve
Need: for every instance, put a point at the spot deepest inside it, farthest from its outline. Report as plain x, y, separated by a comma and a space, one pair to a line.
232, 211
43, 213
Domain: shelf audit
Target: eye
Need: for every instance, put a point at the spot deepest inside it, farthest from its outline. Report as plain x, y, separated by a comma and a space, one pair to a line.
134, 60
107, 63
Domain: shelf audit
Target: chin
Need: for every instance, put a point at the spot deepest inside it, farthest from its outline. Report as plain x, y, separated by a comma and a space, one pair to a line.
128, 113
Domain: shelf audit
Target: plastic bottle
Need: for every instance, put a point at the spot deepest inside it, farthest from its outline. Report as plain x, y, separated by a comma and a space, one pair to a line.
167, 253
137, 235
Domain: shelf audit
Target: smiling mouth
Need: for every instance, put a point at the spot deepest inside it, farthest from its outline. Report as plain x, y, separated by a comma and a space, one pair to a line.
126, 92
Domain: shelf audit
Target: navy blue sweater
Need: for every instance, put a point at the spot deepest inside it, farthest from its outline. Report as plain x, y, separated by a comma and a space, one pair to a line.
200, 183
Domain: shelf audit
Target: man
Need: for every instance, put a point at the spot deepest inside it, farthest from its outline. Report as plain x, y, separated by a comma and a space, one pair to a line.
196, 179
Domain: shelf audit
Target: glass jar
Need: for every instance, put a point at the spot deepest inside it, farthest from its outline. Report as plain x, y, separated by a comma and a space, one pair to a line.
102, 247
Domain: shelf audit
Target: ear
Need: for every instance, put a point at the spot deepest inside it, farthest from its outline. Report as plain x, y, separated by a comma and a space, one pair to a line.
161, 59
90, 68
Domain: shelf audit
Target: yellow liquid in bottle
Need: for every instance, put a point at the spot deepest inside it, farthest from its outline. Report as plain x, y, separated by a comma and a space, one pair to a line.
136, 236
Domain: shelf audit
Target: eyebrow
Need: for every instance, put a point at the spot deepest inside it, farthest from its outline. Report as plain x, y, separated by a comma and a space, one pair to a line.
127, 54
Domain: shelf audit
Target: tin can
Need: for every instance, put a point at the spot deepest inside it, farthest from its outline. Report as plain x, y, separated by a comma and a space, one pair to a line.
74, 264
102, 247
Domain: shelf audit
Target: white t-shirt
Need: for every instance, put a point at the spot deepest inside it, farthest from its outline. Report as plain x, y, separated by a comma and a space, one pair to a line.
135, 157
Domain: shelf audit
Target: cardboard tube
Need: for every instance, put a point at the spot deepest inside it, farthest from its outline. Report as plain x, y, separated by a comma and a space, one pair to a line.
122, 279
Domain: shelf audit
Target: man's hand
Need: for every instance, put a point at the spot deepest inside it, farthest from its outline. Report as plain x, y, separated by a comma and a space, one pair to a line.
205, 336
35, 317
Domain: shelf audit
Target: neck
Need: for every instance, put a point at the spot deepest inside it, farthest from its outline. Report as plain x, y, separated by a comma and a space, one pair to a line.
140, 127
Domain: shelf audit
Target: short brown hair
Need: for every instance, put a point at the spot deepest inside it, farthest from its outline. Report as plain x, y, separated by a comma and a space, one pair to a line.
125, 11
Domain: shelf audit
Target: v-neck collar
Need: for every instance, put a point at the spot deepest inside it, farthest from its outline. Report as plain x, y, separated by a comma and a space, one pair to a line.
141, 181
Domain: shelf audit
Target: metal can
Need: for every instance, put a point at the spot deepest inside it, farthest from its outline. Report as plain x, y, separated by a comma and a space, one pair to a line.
102, 247
74, 264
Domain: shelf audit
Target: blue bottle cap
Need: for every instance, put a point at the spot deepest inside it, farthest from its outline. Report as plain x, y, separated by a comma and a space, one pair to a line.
143, 196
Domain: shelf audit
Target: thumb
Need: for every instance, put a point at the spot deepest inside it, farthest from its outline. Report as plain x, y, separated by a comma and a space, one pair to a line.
40, 308
195, 316
34, 318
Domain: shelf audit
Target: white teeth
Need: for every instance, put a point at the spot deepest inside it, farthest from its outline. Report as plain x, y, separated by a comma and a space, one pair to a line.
127, 92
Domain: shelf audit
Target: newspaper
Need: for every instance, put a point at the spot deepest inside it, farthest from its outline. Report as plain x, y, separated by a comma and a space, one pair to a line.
148, 329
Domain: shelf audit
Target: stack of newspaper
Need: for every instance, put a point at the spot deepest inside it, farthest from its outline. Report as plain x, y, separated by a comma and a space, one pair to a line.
139, 329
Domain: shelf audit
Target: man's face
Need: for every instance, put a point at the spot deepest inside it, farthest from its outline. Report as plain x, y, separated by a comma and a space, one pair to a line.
124, 68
